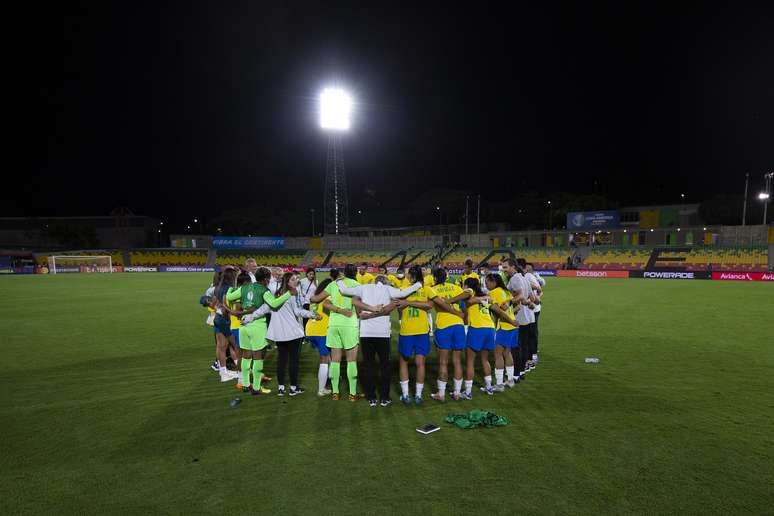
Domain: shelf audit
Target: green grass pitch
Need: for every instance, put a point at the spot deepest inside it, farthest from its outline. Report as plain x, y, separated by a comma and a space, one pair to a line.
108, 406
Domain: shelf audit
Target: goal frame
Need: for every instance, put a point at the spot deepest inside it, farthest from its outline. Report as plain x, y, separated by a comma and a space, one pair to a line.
52, 260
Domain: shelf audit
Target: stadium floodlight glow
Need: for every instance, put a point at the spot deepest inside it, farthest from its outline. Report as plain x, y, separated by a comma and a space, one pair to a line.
335, 109
763, 196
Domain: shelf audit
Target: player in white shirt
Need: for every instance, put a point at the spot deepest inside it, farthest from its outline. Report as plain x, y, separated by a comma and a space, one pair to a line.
537, 288
308, 285
533, 290
375, 332
287, 332
250, 268
521, 292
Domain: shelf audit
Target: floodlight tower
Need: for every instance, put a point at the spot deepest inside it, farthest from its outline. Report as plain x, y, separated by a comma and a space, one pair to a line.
335, 109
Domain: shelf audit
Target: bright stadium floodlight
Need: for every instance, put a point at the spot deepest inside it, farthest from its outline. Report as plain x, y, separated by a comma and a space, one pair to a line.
335, 109
763, 196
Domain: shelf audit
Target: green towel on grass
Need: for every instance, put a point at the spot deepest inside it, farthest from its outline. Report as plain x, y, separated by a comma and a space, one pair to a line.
476, 418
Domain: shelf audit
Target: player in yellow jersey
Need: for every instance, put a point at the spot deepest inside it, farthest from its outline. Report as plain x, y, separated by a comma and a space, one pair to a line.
467, 272
363, 276
449, 335
480, 338
427, 272
315, 334
414, 338
507, 334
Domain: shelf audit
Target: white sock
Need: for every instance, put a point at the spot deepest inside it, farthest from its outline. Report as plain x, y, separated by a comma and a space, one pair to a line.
488, 381
457, 385
430, 321
509, 372
534, 358
499, 376
468, 386
441, 388
404, 388
420, 388
322, 377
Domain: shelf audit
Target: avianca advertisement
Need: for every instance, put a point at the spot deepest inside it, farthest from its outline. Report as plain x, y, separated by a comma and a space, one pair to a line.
743, 276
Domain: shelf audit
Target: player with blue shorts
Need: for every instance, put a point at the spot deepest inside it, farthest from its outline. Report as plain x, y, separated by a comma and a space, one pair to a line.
507, 334
481, 336
449, 334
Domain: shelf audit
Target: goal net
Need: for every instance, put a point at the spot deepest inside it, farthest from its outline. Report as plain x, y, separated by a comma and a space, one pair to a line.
62, 264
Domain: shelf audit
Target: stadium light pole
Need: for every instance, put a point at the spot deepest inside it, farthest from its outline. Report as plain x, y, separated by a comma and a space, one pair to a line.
744, 206
312, 211
335, 111
549, 215
766, 195
440, 230
467, 201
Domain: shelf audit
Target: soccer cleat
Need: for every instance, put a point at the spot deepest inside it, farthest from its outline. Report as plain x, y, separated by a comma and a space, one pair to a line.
261, 391
386, 403
512, 383
488, 390
245, 388
354, 397
215, 366
281, 390
335, 396
465, 396
418, 400
534, 359
239, 386
266, 379
324, 392
405, 399
297, 390
499, 388
371, 403
456, 396
228, 376
438, 397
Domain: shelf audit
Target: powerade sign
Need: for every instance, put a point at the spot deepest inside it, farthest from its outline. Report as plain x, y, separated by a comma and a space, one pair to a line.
670, 274
259, 242
592, 220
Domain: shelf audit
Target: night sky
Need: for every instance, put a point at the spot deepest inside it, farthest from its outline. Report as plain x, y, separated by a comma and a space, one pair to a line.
180, 110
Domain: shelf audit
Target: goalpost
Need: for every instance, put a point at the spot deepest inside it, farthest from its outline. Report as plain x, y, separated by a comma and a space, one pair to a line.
64, 263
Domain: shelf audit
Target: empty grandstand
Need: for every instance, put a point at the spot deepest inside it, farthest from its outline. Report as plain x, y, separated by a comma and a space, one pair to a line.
754, 259
270, 258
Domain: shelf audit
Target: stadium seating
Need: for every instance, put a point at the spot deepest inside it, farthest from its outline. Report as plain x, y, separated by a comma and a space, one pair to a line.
699, 259
284, 258
168, 257
373, 258
541, 257
617, 258
116, 257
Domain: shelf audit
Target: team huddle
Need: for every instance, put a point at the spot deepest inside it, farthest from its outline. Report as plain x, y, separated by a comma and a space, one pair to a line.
482, 315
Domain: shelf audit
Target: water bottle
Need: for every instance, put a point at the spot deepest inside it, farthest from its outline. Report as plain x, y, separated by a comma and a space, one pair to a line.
236, 401
592, 360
